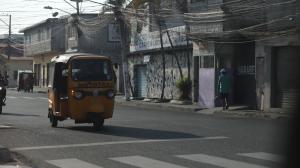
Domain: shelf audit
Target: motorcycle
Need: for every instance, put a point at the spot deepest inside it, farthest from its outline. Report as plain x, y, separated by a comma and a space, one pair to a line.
2, 97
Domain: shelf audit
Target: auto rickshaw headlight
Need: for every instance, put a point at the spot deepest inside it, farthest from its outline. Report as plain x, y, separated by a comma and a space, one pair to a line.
1, 88
110, 94
78, 94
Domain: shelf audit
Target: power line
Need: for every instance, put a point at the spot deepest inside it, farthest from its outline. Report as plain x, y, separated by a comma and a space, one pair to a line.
70, 4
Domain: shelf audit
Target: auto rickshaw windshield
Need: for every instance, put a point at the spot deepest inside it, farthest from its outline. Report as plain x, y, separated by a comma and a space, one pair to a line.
91, 70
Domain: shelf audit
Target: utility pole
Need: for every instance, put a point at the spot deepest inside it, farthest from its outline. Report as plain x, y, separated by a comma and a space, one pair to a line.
9, 38
77, 5
76, 20
124, 32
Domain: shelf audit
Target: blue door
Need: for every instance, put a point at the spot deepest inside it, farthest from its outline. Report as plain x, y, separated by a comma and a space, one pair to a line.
140, 80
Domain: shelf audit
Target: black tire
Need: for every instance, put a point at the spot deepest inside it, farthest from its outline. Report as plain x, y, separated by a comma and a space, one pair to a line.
54, 122
53, 119
98, 124
0, 109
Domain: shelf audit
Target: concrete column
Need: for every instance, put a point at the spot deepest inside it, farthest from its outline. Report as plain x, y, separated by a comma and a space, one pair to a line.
195, 90
268, 78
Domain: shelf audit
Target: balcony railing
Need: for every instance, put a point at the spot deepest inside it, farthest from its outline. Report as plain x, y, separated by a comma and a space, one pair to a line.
38, 48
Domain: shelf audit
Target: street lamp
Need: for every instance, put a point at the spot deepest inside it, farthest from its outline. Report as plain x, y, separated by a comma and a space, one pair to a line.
56, 13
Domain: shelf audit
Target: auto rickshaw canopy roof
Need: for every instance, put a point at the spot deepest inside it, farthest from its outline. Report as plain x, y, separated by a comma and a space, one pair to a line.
64, 58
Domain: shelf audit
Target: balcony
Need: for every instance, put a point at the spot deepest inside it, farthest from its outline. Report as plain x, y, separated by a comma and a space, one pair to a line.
38, 48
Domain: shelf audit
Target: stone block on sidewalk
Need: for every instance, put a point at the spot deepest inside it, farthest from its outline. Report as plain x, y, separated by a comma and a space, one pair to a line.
5, 155
181, 102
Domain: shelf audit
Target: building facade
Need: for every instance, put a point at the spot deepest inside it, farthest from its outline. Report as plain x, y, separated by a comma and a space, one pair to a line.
11, 67
16, 61
257, 42
97, 34
257, 46
277, 58
148, 55
89, 33
42, 42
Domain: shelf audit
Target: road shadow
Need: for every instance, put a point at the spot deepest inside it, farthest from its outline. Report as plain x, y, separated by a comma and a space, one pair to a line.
20, 115
138, 133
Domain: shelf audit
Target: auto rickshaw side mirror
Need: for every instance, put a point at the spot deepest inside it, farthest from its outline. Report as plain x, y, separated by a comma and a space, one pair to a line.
65, 73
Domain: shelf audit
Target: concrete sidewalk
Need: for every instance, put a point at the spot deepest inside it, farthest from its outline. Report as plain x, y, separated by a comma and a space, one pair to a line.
120, 100
234, 111
35, 89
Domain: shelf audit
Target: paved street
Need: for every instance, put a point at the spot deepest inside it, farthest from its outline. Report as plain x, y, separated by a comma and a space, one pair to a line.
140, 138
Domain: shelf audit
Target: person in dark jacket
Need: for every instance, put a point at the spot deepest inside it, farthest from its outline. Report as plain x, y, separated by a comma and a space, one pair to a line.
224, 87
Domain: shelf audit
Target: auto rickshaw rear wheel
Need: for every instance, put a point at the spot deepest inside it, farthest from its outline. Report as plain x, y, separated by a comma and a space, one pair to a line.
98, 124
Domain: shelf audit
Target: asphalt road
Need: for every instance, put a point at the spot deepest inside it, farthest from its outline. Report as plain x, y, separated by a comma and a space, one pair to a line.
138, 137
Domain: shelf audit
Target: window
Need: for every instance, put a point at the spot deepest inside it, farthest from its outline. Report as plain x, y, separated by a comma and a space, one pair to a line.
71, 31
91, 70
48, 33
50, 74
28, 38
39, 35
207, 61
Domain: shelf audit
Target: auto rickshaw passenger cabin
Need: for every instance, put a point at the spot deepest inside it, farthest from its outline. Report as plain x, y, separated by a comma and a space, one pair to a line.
81, 87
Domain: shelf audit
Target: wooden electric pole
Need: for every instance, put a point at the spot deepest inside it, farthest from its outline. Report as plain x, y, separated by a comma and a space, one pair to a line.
76, 21
124, 32
9, 39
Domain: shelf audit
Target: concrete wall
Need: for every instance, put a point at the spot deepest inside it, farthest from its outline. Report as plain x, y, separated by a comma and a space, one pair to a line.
155, 72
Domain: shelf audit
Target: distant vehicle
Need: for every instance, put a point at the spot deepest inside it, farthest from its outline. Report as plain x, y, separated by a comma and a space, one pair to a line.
81, 87
25, 80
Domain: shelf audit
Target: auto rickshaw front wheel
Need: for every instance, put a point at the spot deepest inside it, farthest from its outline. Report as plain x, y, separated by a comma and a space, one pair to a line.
98, 124
54, 122
53, 119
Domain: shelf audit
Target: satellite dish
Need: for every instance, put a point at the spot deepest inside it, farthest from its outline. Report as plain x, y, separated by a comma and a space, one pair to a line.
54, 14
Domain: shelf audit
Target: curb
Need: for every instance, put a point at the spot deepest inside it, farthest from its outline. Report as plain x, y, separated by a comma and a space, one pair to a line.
258, 114
40, 91
5, 155
156, 106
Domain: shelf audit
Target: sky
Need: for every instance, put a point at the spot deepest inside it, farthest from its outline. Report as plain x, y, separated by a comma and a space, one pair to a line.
28, 12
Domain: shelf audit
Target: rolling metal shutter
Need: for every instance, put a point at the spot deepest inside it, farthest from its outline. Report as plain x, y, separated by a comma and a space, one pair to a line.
140, 81
287, 77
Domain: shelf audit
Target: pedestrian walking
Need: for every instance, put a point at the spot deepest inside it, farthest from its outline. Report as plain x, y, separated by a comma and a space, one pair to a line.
224, 87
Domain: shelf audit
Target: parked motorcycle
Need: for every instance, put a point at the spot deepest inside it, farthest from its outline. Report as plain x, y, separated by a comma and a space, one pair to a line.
3, 84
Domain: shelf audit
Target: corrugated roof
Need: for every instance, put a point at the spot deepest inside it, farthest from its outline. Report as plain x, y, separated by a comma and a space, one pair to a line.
38, 24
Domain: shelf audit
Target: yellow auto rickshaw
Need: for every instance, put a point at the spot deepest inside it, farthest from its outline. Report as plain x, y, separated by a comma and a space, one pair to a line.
81, 87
